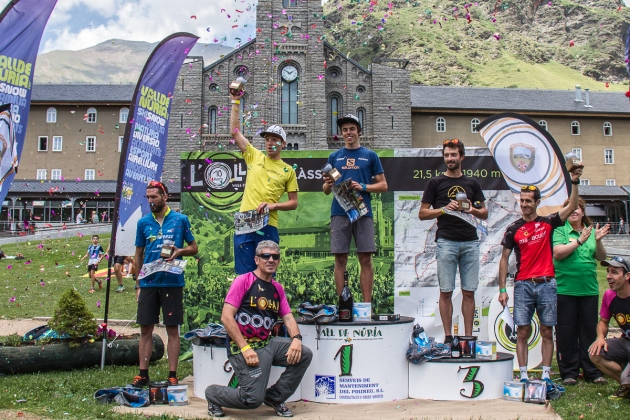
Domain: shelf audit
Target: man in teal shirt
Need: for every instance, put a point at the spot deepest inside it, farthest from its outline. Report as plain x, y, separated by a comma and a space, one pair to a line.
161, 288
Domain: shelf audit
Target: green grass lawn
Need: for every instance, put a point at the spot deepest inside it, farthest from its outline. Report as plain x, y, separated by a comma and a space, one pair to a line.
56, 263
70, 395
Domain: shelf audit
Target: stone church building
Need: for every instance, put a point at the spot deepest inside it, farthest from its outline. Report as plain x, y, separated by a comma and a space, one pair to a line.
295, 79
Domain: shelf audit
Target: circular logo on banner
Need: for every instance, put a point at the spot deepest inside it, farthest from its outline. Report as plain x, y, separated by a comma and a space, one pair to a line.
218, 175
505, 336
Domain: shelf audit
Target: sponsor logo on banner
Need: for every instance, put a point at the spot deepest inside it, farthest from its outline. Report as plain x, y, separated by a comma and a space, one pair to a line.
506, 336
326, 387
522, 157
348, 334
218, 175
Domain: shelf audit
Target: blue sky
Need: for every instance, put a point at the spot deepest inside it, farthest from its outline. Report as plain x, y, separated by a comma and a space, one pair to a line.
78, 24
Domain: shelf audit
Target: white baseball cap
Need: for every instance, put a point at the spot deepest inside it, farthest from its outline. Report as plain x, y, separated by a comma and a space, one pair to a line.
276, 130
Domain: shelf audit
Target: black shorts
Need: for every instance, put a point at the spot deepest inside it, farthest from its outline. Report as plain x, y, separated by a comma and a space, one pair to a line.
618, 351
170, 299
92, 267
118, 259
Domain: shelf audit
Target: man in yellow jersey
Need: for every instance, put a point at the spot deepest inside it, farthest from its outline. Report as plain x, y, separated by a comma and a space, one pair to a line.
268, 178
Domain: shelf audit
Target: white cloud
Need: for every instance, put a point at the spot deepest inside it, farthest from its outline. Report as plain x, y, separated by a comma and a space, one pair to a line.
78, 24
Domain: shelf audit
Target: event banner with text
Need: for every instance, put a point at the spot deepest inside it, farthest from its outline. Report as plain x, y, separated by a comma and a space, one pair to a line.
22, 23
405, 276
146, 134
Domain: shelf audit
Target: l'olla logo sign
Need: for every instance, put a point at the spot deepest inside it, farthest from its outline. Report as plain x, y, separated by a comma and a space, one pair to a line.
218, 175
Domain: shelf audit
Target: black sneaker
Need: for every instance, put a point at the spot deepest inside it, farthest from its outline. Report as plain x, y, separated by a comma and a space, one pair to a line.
140, 381
281, 408
448, 339
215, 410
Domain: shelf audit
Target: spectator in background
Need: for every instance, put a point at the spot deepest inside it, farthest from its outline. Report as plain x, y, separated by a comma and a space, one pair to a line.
94, 217
610, 355
79, 218
576, 249
622, 226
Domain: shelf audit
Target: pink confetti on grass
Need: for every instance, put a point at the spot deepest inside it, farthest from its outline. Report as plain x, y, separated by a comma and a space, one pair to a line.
12, 299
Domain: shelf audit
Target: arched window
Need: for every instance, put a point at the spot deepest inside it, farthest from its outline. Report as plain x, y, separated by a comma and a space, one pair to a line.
124, 115
289, 146
51, 115
607, 129
91, 115
543, 124
241, 71
440, 125
335, 107
212, 120
296, 146
361, 117
289, 97
575, 128
473, 125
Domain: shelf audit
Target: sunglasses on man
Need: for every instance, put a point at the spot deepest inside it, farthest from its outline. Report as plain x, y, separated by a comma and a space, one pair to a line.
528, 188
267, 255
622, 262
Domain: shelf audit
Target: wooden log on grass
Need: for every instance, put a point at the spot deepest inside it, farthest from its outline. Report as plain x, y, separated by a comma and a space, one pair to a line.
60, 356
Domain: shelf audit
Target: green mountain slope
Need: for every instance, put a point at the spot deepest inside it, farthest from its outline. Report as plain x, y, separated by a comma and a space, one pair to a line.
531, 43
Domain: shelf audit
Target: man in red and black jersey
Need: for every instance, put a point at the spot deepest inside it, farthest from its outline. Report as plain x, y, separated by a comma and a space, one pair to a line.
534, 284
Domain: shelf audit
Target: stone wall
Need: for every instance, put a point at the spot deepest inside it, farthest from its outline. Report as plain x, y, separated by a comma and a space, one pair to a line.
392, 107
185, 120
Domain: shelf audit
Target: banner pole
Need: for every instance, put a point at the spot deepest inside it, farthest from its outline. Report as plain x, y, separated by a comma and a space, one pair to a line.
125, 151
107, 287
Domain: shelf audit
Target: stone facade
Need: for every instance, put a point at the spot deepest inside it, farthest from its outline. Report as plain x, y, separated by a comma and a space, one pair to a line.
186, 116
292, 38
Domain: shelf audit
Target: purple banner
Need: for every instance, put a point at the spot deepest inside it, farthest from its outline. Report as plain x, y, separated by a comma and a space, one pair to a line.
144, 145
22, 23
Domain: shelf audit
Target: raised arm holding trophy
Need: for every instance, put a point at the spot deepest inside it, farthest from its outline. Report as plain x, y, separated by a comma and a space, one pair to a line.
268, 178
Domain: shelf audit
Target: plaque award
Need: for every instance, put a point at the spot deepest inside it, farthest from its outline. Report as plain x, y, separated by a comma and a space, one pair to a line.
462, 201
237, 87
333, 173
573, 162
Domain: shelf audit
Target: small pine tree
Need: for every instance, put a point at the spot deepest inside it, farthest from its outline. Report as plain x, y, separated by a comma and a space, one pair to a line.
72, 316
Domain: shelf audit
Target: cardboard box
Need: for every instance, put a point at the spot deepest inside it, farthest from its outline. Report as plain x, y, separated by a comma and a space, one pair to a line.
513, 391
178, 395
467, 346
535, 392
486, 350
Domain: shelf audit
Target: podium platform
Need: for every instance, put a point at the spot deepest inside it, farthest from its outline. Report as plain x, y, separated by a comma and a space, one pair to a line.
211, 366
460, 379
357, 362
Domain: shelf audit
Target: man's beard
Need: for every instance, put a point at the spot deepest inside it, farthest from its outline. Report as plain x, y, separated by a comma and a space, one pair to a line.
455, 165
156, 208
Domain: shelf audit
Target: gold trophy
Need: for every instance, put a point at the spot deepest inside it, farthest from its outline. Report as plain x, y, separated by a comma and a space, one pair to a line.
237, 87
573, 162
